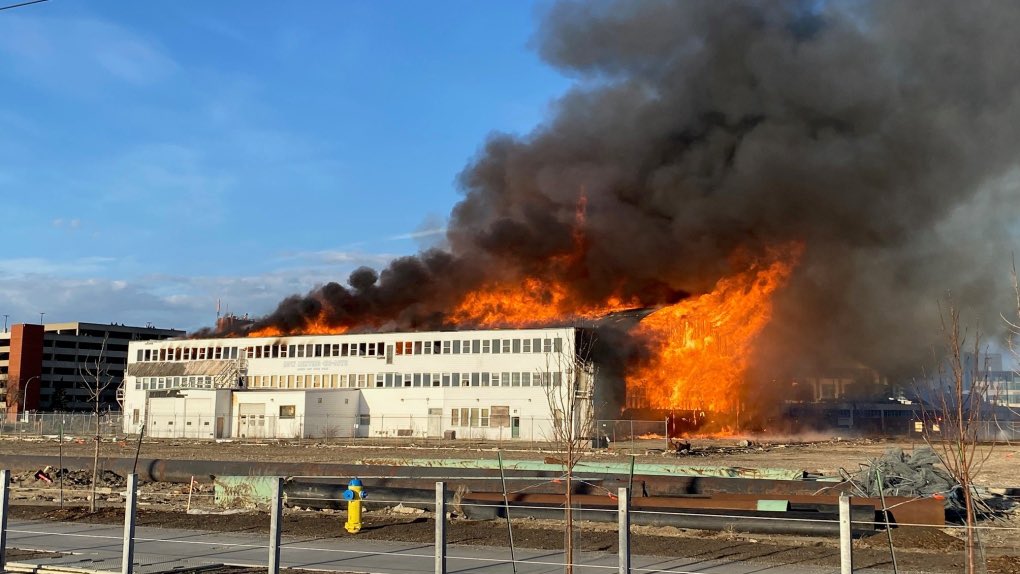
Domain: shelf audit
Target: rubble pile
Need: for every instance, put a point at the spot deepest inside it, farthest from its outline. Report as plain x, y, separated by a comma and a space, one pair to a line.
898, 473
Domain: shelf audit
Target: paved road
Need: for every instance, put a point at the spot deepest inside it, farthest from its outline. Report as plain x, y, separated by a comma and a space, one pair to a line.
98, 547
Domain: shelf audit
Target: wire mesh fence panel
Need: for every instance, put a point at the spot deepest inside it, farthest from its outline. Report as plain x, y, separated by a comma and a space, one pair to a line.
632, 434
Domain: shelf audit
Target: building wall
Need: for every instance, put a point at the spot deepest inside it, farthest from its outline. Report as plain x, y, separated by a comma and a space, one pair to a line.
481, 384
59, 353
23, 376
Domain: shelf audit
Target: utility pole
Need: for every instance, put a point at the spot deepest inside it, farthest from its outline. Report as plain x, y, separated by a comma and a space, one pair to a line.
5, 322
40, 318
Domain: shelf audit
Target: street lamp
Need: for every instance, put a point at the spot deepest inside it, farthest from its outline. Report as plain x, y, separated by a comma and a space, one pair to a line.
24, 398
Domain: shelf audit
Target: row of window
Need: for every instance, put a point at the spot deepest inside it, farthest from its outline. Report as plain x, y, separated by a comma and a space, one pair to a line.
391, 380
156, 383
366, 349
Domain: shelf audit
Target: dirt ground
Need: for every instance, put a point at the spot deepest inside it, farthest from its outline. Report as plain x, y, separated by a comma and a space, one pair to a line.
825, 456
162, 504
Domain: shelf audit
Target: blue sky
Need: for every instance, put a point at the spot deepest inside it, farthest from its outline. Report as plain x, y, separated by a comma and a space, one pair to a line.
157, 156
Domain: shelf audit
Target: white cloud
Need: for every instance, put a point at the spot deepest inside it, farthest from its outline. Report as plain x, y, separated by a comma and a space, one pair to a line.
80, 53
22, 267
418, 234
29, 286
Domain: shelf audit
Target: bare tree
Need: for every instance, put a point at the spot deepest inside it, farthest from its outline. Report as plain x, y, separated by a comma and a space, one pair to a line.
1013, 332
959, 406
96, 377
569, 385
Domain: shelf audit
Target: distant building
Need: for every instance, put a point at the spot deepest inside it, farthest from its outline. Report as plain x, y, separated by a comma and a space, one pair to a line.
999, 386
41, 365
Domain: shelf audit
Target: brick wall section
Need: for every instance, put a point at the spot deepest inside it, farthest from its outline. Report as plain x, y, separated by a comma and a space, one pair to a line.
25, 363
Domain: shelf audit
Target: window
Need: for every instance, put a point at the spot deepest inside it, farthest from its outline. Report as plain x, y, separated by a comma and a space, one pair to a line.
486, 346
485, 379
476, 346
417, 347
485, 418
476, 379
526, 346
547, 346
417, 379
525, 379
364, 420
456, 347
446, 379
474, 417
363, 349
427, 348
558, 345
435, 379
506, 345
134, 417
505, 380
496, 346
517, 345
380, 380
318, 350
407, 379
455, 417
516, 379
287, 411
446, 347
464, 414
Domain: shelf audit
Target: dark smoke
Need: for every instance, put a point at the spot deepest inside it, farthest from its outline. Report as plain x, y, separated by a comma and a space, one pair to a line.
883, 135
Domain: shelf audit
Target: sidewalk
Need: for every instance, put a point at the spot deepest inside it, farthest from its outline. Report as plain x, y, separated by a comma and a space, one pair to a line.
98, 547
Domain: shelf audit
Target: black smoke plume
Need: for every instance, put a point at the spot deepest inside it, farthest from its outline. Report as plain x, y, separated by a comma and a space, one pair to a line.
883, 135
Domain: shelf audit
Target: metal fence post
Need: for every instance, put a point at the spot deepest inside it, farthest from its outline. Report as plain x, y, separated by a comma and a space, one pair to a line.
440, 528
846, 557
276, 514
127, 557
623, 506
5, 483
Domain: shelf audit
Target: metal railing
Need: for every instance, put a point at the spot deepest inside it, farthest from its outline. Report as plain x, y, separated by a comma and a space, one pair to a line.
274, 551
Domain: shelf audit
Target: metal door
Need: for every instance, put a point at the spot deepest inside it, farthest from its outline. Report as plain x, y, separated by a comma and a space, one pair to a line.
435, 422
515, 427
251, 420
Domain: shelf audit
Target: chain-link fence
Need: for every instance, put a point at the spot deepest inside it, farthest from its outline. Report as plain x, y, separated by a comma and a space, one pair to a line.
467, 425
106, 425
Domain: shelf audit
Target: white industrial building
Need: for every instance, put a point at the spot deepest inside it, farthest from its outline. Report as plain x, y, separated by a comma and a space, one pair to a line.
503, 384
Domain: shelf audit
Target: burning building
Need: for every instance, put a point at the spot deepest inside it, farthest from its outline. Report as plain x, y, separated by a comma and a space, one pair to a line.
788, 185
524, 384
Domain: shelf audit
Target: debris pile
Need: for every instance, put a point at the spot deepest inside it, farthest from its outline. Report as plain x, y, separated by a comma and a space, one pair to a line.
898, 473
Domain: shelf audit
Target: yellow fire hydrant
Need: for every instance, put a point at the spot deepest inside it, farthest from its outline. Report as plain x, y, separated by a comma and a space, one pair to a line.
354, 494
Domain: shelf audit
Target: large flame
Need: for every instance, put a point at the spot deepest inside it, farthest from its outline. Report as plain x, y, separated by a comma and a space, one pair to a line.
701, 347
317, 327
532, 302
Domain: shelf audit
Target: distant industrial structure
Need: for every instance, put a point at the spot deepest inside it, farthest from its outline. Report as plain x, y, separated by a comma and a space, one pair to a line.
42, 366
474, 384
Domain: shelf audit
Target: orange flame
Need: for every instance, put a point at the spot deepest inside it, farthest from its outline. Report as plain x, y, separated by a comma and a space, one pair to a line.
317, 327
530, 303
701, 347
